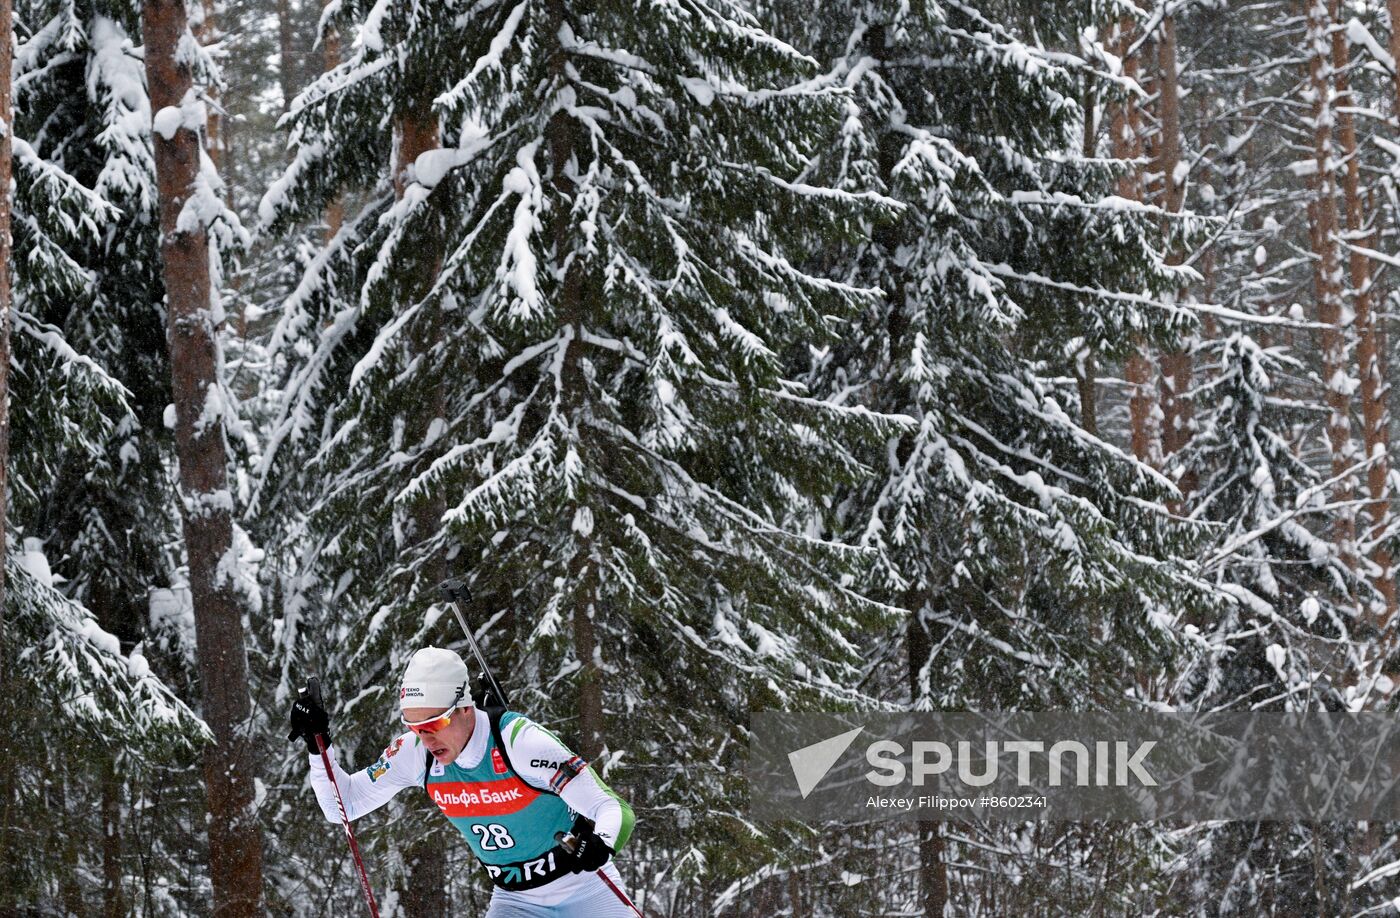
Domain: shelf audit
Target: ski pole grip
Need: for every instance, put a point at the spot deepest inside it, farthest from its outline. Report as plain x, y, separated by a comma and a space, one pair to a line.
566, 841
455, 590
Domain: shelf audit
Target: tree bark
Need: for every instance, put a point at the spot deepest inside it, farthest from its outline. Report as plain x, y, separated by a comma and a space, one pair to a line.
330, 59
1327, 274
1128, 145
286, 55
561, 138
933, 864
1394, 8
113, 900
1084, 361
6, 301
1088, 394
1375, 436
1176, 365
235, 845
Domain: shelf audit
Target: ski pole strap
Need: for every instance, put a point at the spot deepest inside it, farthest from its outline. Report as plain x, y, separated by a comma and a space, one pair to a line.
349, 832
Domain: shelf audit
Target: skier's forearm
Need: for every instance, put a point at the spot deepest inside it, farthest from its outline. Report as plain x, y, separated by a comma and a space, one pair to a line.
325, 793
612, 816
543, 760
360, 793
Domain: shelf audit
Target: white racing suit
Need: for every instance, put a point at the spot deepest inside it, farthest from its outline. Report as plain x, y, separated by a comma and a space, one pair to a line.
508, 792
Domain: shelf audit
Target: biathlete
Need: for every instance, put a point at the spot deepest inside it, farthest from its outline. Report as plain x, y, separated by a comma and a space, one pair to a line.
507, 784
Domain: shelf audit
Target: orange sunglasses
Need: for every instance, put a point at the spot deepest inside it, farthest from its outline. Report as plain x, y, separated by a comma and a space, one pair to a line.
432, 724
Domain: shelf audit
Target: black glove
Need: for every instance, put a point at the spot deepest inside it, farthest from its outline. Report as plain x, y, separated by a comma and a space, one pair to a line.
309, 717
590, 852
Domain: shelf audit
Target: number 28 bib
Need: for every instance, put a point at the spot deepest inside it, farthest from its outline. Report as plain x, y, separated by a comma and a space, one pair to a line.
509, 825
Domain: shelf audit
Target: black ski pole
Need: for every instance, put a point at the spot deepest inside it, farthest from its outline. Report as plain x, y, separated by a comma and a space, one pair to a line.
313, 689
456, 592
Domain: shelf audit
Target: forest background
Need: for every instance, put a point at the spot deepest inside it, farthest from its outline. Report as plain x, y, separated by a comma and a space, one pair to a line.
954, 354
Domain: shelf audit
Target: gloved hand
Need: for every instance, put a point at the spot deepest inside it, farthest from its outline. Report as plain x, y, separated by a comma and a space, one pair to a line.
309, 717
590, 851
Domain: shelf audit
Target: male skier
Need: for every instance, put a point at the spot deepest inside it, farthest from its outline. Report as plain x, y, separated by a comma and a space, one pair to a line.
505, 782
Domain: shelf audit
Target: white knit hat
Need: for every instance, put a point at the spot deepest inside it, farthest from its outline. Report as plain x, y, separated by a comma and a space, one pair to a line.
435, 678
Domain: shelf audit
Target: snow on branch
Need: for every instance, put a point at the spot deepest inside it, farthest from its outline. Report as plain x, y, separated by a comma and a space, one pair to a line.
1301, 505
53, 341
92, 213
84, 671
1223, 312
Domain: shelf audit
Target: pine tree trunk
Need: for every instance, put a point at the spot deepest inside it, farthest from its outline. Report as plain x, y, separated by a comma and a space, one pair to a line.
1088, 394
6, 300
1375, 436
1176, 366
1084, 369
764, 903
286, 56
1127, 145
562, 143
124, 618
1394, 8
113, 904
330, 59
417, 131
69, 879
235, 845
933, 865
1327, 273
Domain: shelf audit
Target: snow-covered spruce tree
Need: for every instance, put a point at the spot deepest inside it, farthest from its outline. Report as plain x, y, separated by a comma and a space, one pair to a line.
1290, 643
91, 487
1298, 638
593, 286
1037, 555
